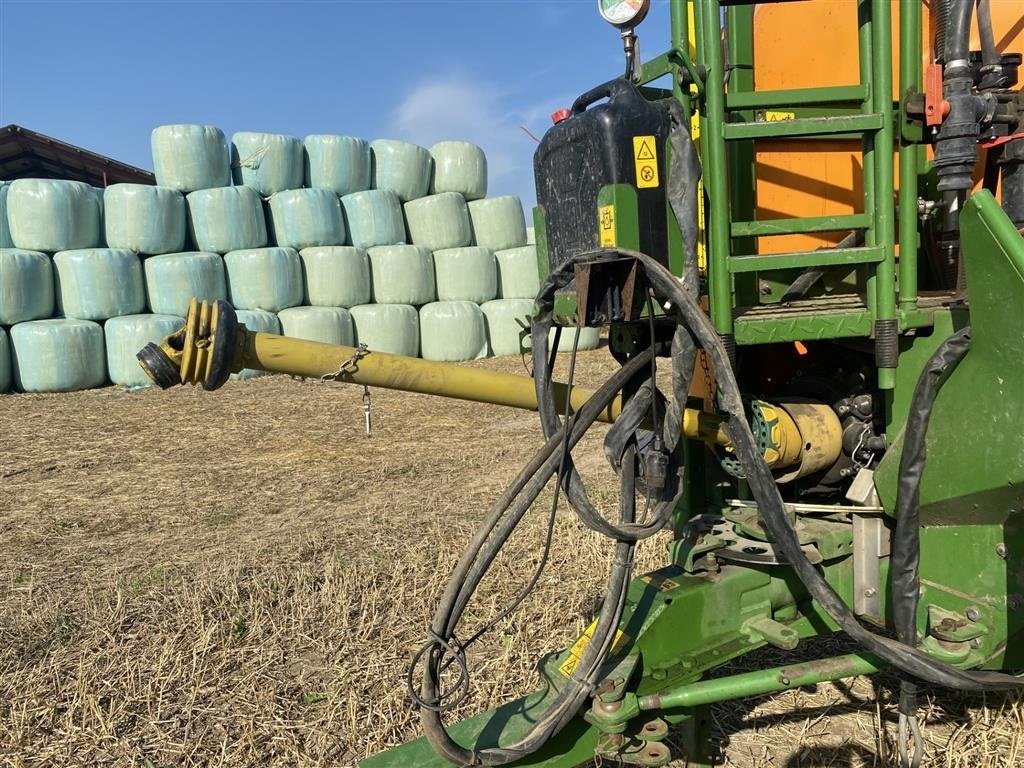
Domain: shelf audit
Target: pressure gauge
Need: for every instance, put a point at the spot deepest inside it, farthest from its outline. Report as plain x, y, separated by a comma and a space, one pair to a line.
623, 14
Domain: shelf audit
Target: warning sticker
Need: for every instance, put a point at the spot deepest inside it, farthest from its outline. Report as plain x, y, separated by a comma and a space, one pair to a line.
662, 583
576, 652
778, 117
645, 155
606, 217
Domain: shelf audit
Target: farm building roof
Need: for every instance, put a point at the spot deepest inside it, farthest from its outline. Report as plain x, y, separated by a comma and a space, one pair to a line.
27, 154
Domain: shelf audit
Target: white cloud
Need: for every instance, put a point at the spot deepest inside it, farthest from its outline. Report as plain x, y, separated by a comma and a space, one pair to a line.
457, 107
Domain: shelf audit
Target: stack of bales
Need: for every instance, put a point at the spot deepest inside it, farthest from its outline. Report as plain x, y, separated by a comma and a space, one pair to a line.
332, 239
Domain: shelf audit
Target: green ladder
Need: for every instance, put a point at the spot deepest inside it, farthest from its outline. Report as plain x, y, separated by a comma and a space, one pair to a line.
728, 129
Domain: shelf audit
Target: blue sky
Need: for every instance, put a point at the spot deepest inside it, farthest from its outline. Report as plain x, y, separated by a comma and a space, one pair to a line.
102, 75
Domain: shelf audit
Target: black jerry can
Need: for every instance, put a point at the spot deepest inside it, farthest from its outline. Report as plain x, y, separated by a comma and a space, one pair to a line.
598, 145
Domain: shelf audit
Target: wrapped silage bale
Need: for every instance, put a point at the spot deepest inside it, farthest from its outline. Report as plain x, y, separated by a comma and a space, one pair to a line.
498, 222
144, 218
459, 167
52, 215
190, 157
335, 276
466, 274
338, 163
452, 331
328, 325
226, 219
5, 362
402, 274
98, 283
264, 278
125, 336
174, 279
58, 355
267, 162
304, 218
5, 230
390, 328
373, 217
507, 320
401, 167
257, 321
590, 338
26, 286
439, 221
518, 273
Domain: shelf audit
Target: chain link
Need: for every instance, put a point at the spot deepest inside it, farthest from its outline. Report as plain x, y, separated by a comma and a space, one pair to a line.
349, 365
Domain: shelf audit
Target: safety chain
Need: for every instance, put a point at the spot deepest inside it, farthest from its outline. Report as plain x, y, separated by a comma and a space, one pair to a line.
347, 367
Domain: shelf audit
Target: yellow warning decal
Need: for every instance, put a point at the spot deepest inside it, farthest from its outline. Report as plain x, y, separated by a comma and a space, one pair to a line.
576, 652
645, 155
662, 583
606, 217
778, 117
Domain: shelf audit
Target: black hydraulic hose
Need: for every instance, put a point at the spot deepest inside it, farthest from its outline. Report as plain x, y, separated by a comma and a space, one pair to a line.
572, 483
940, 12
487, 541
906, 546
958, 35
683, 190
989, 54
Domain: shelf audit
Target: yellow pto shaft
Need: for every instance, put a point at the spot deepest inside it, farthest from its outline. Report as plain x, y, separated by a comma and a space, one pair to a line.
212, 345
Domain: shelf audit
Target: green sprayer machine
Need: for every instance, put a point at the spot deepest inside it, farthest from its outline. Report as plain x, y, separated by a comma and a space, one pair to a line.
837, 445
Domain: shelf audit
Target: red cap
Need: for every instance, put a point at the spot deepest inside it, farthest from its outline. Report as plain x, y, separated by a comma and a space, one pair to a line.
559, 115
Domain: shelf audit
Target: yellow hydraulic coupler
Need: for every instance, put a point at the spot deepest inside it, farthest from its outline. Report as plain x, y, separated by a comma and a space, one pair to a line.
212, 345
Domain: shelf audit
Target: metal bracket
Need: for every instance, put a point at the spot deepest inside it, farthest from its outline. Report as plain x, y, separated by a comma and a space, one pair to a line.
871, 542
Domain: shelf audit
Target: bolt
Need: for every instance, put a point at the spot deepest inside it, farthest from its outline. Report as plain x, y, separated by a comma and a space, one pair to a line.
765, 288
870, 592
973, 614
609, 707
1013, 602
1001, 550
976, 642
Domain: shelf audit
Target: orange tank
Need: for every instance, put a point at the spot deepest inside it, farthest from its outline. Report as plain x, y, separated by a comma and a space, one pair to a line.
798, 178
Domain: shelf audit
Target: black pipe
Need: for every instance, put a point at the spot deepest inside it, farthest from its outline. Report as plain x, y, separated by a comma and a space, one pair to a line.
956, 53
956, 146
989, 54
940, 11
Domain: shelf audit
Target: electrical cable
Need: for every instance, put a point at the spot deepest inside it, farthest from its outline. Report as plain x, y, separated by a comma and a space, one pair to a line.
492, 534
